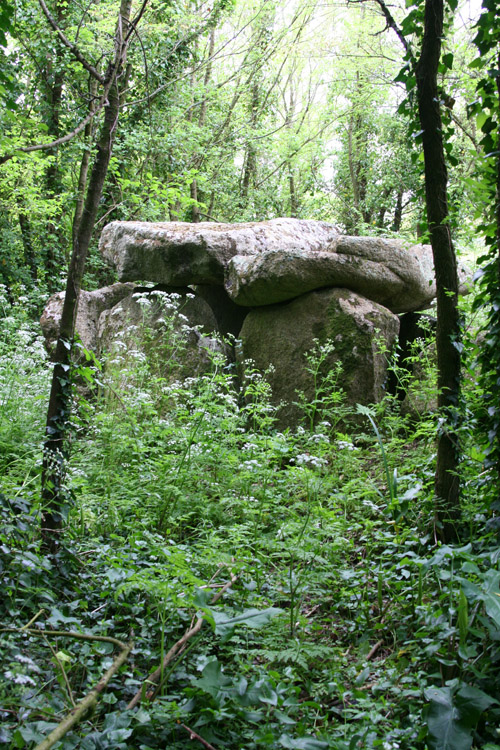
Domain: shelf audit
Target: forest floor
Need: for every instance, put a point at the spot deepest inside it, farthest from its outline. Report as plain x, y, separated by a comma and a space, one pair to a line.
281, 589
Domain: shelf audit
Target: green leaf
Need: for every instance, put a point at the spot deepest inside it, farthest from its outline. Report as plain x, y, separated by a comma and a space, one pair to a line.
213, 681
472, 702
453, 715
443, 722
56, 617
477, 63
491, 595
448, 60
301, 743
253, 618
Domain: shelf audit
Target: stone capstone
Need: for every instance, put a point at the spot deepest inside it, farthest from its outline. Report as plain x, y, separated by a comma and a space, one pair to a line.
384, 271
180, 253
283, 334
90, 307
262, 263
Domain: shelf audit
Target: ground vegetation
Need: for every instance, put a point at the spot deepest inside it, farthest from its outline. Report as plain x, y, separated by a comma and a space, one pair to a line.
217, 582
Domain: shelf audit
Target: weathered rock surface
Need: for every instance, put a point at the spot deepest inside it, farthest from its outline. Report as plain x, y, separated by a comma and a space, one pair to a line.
179, 253
170, 327
282, 334
399, 278
262, 263
90, 307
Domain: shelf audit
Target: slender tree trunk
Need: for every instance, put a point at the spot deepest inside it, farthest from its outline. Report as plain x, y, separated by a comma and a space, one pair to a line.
29, 251
195, 193
448, 322
54, 239
250, 169
292, 188
352, 169
398, 213
59, 407
85, 163
495, 312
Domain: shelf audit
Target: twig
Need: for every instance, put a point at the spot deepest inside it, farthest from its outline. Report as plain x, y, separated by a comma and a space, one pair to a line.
33, 619
88, 702
59, 664
373, 650
155, 676
194, 736
67, 634
58, 141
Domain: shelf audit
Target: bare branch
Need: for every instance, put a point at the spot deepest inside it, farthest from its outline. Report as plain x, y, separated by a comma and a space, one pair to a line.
195, 736
133, 23
87, 703
391, 23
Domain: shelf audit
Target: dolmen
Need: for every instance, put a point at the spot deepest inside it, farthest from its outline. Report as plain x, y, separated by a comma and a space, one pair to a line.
281, 287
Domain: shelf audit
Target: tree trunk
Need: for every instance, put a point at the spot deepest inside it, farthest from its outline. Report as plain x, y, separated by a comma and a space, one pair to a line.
495, 314
54, 237
59, 407
448, 323
85, 163
398, 212
29, 251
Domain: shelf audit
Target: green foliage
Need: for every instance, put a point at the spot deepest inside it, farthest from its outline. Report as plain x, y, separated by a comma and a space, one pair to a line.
347, 623
485, 112
6, 77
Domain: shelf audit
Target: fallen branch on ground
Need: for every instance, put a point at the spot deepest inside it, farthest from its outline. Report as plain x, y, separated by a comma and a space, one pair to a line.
155, 677
194, 736
87, 703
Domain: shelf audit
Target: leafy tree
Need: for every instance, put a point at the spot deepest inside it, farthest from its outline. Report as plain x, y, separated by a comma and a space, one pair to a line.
426, 21
486, 111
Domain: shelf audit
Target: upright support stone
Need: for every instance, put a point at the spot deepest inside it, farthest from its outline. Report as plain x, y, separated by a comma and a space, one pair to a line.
281, 335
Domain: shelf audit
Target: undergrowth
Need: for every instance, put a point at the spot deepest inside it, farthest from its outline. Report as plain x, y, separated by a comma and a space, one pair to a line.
332, 616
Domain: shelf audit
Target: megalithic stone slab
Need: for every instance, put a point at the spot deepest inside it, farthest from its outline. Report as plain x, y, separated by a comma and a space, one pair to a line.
281, 335
90, 307
384, 271
179, 253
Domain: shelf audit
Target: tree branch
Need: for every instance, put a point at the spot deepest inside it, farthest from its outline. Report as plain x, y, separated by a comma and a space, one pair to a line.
59, 141
155, 677
389, 19
72, 47
87, 703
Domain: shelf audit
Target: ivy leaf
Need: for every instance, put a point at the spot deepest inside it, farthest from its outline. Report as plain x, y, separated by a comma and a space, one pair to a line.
448, 60
57, 616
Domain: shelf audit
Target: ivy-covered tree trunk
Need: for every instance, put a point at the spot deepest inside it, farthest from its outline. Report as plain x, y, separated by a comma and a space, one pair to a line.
448, 321
60, 395
54, 86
